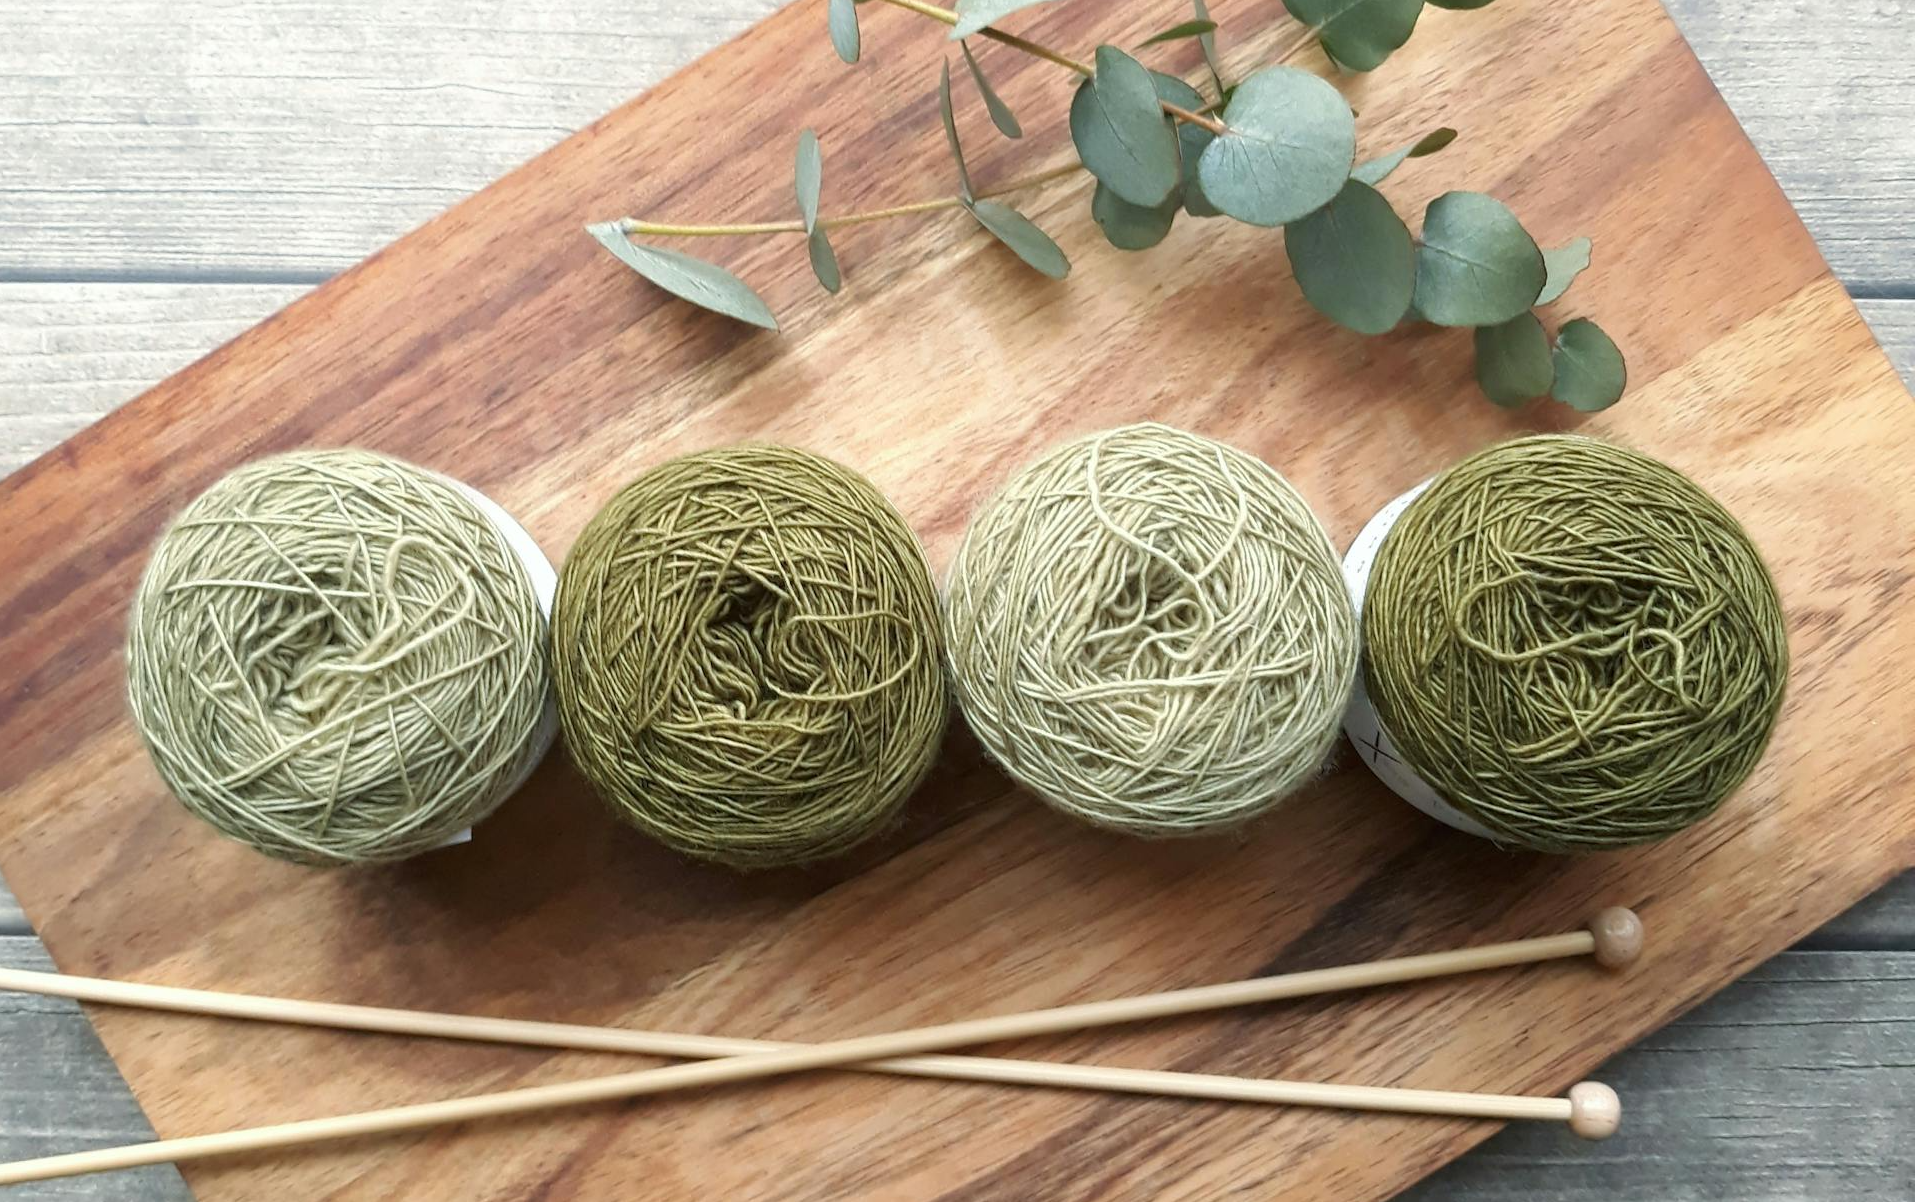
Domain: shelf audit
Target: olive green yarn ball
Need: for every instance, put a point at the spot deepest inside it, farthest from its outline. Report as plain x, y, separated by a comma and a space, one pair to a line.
338, 658
1574, 644
745, 644
1150, 631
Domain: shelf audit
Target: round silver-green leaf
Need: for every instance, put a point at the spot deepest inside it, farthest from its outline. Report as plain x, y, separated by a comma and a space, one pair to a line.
1132, 227
1121, 133
1513, 361
706, 285
1476, 266
1590, 372
1175, 91
1562, 266
1360, 34
1290, 141
1354, 260
1191, 140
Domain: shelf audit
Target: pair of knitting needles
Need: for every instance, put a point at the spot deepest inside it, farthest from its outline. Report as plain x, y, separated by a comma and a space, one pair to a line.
1592, 1110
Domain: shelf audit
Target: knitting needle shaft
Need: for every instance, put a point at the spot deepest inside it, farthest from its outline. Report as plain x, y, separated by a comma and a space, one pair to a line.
1614, 938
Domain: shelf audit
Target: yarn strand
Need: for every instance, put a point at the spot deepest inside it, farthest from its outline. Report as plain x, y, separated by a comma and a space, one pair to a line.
1148, 630
1574, 644
745, 643
337, 658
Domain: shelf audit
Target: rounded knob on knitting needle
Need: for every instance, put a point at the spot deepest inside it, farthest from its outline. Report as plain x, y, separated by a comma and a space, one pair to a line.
1618, 934
1594, 1110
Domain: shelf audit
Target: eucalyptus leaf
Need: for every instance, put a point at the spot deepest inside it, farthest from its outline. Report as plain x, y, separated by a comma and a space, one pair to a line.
1172, 90
1132, 227
1461, 4
1513, 361
950, 130
1354, 260
1191, 141
1377, 170
809, 178
1121, 132
1590, 372
1016, 231
706, 285
1359, 34
1207, 42
824, 260
843, 16
1562, 266
1177, 33
974, 15
1477, 266
1286, 152
1001, 114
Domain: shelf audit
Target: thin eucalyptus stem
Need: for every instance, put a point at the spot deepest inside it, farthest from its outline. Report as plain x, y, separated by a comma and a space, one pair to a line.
632, 225
1048, 55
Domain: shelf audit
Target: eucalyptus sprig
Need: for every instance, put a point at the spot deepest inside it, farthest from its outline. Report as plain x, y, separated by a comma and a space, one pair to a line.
1275, 148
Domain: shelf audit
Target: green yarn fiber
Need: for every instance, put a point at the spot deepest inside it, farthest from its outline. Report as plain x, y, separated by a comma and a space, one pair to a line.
745, 643
1574, 644
337, 658
1149, 630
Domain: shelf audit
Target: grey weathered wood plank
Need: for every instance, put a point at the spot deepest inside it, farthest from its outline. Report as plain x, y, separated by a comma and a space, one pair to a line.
59, 1092
1796, 1084
1827, 94
1883, 922
70, 353
147, 139
150, 139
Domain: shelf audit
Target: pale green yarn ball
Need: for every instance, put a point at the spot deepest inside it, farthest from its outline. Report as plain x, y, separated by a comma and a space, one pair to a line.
337, 658
1150, 631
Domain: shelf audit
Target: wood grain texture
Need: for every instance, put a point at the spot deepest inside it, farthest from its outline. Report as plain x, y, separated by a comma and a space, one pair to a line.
1745, 345
72, 353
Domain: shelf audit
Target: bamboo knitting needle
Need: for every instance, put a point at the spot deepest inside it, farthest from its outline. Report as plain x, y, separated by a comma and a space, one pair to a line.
1591, 1109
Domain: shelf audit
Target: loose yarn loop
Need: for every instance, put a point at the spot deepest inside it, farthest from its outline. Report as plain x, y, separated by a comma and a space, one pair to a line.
1150, 631
337, 658
745, 645
1574, 644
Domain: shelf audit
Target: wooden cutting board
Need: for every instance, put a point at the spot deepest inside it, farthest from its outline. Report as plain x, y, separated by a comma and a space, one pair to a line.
500, 345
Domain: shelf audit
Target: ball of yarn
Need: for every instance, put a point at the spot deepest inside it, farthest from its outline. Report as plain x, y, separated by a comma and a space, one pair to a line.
745, 644
1573, 644
1149, 630
337, 658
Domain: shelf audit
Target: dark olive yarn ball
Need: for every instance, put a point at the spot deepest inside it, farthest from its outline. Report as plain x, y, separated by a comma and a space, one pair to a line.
1574, 645
747, 657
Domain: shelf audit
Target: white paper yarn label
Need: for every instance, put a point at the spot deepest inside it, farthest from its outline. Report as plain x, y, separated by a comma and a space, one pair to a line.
545, 586
1360, 723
